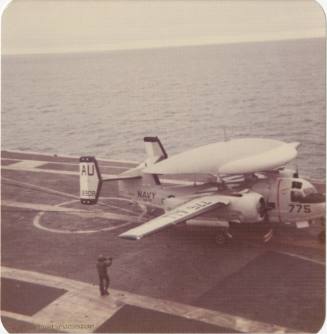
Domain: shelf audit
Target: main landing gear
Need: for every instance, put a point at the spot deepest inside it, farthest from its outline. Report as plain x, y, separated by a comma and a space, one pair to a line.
244, 232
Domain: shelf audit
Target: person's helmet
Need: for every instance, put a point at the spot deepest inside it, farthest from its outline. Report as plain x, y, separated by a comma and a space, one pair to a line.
101, 257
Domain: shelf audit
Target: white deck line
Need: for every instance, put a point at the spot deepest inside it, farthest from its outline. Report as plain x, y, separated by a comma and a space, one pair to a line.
27, 164
46, 189
56, 208
55, 155
76, 197
87, 294
21, 317
321, 263
73, 310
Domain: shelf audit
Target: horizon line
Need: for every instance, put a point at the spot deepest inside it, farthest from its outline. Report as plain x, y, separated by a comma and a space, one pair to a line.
104, 50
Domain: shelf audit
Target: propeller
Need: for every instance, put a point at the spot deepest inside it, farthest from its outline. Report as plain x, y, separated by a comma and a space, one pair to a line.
262, 210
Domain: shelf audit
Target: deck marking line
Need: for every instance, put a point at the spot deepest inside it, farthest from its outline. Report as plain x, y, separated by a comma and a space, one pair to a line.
56, 208
72, 308
33, 186
40, 170
37, 218
28, 319
302, 257
56, 192
59, 208
22, 164
288, 241
54, 155
90, 293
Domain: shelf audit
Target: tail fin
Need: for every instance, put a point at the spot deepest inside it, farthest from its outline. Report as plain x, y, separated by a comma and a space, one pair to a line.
90, 180
154, 149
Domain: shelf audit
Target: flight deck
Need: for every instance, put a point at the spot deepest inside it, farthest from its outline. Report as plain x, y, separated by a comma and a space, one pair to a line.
175, 281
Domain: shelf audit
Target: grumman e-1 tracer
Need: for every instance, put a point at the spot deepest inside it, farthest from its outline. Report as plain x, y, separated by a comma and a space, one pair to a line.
251, 186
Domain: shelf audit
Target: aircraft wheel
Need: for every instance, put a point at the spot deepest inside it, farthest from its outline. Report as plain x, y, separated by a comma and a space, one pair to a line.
221, 238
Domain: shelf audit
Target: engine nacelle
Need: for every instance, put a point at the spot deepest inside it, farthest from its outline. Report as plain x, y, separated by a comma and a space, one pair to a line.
247, 208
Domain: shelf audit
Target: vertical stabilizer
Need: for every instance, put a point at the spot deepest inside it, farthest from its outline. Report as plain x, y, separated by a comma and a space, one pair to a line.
90, 180
154, 150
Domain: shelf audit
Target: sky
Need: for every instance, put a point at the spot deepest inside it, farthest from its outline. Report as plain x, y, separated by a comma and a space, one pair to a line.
51, 26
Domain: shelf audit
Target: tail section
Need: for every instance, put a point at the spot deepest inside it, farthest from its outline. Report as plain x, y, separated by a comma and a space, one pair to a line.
90, 180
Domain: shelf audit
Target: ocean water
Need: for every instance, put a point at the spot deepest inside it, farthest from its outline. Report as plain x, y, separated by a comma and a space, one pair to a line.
105, 103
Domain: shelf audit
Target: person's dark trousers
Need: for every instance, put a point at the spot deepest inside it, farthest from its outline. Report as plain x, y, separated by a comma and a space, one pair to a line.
103, 284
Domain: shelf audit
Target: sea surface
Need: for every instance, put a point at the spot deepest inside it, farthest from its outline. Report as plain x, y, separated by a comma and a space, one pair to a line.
104, 103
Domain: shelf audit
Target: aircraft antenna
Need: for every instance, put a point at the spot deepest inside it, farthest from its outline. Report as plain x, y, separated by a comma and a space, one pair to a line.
296, 174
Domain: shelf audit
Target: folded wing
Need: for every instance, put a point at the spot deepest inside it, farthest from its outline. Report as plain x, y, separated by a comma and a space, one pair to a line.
188, 210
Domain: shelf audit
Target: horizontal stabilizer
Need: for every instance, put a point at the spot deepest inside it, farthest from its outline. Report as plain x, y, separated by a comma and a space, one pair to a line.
121, 177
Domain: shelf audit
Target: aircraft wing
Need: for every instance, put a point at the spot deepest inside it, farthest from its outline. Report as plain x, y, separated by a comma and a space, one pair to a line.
188, 210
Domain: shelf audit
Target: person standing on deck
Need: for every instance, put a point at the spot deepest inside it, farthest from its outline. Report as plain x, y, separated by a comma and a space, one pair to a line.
102, 265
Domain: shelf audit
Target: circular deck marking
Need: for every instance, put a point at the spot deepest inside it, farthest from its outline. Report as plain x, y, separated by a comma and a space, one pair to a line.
37, 221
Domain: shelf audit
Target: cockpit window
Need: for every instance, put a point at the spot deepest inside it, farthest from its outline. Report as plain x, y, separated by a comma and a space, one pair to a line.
310, 197
309, 190
314, 198
296, 185
296, 196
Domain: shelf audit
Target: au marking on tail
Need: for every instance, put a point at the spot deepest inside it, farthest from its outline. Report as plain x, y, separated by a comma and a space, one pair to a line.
90, 180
